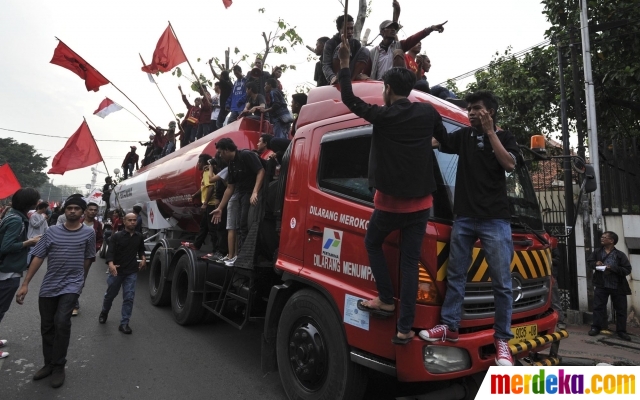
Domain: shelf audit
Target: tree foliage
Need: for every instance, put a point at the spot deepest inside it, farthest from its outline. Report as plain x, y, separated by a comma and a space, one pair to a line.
528, 86
25, 161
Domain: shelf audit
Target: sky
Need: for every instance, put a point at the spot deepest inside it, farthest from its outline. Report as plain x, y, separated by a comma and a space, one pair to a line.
43, 98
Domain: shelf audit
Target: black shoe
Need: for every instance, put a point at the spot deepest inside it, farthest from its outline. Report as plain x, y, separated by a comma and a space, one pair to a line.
594, 332
125, 329
43, 372
624, 336
57, 377
103, 317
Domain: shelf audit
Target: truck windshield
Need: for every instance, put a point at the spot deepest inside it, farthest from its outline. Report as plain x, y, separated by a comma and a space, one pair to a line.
525, 210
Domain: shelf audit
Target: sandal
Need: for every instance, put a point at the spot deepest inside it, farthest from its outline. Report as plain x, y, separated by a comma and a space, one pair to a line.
377, 311
403, 341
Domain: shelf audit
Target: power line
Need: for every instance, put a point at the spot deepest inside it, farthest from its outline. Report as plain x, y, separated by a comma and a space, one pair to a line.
63, 137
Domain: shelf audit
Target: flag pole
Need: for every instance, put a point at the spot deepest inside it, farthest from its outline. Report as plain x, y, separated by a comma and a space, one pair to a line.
103, 162
154, 81
113, 84
185, 56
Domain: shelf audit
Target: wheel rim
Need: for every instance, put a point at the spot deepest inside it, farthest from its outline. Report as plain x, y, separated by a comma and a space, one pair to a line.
182, 288
308, 354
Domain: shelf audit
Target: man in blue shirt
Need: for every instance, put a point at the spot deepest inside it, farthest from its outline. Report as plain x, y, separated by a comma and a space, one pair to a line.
238, 99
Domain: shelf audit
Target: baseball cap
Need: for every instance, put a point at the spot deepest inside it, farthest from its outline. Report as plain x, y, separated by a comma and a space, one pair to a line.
133, 147
389, 24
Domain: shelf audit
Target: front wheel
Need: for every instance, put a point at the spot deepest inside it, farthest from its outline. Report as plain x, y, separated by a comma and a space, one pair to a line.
313, 356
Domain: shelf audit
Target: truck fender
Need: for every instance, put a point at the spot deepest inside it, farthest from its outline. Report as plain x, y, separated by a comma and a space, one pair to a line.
278, 297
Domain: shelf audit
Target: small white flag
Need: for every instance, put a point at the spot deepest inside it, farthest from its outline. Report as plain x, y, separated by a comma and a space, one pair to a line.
150, 78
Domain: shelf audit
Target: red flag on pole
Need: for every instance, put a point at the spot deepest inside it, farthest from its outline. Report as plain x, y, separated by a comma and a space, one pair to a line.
8, 182
227, 3
168, 54
80, 151
67, 58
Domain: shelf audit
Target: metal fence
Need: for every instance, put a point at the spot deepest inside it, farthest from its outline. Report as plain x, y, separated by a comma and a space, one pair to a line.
620, 177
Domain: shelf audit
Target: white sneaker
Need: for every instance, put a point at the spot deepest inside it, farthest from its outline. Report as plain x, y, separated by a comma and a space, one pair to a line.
4, 354
231, 261
3, 342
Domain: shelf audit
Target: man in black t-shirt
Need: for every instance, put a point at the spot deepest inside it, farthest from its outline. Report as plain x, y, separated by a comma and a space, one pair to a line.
255, 101
246, 174
482, 212
124, 249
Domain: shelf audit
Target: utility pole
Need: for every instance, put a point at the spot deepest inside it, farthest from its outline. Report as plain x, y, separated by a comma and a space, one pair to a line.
592, 127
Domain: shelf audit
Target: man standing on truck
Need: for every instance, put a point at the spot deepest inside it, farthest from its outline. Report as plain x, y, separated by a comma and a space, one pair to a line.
124, 248
245, 177
482, 212
400, 150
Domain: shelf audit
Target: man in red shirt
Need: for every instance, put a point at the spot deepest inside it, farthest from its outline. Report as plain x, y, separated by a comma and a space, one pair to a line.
401, 142
130, 160
413, 65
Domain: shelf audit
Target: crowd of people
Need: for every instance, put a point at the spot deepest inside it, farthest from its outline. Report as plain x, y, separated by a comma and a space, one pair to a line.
259, 94
28, 237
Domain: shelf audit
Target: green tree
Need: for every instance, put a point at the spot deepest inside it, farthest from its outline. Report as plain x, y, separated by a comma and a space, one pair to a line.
26, 163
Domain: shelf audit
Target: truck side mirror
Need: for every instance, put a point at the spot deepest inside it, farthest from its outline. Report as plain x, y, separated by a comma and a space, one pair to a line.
590, 184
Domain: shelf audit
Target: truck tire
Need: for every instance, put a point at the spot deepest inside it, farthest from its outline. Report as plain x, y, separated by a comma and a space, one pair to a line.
159, 287
313, 355
185, 303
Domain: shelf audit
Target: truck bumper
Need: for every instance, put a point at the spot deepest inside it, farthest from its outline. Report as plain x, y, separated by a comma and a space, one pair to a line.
476, 349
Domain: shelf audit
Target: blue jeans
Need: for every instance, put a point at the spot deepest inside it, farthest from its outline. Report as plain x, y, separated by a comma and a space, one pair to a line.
128, 283
8, 289
412, 227
495, 235
203, 130
128, 170
55, 327
280, 129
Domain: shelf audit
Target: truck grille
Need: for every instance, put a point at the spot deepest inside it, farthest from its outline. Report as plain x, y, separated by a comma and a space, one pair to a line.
479, 301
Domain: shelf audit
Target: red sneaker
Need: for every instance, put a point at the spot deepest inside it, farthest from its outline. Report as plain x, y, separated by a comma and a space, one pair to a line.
439, 332
189, 245
503, 353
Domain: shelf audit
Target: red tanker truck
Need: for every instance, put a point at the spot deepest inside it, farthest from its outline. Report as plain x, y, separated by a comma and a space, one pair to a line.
315, 212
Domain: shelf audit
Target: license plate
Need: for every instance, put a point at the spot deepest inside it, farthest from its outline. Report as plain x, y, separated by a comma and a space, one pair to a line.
524, 332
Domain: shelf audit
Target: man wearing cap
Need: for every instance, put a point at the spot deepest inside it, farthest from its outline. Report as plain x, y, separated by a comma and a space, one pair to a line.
69, 249
390, 52
130, 160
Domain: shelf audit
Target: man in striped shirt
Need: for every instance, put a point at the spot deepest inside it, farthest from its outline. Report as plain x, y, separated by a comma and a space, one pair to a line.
70, 248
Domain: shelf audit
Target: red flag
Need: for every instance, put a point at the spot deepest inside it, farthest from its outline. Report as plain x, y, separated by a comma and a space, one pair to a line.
80, 151
168, 54
227, 3
8, 182
67, 58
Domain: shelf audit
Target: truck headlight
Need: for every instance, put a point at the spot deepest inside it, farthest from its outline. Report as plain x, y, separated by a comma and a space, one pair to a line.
444, 359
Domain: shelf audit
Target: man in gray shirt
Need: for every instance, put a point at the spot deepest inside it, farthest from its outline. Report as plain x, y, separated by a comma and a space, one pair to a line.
38, 221
70, 248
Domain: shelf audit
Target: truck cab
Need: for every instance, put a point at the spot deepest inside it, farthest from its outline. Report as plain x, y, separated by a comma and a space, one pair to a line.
314, 216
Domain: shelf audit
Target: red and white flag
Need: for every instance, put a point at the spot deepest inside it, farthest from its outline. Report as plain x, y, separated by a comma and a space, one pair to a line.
227, 3
107, 107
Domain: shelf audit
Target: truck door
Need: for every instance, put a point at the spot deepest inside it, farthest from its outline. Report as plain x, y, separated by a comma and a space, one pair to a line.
339, 206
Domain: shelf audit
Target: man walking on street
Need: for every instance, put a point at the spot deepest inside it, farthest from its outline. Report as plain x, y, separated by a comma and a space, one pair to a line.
69, 248
610, 269
482, 212
124, 248
401, 142
38, 220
